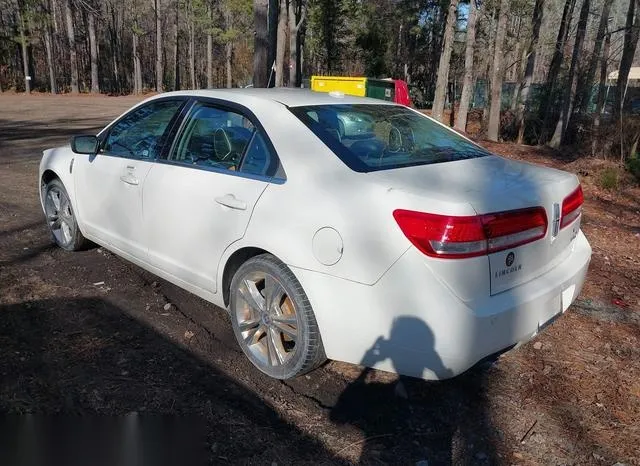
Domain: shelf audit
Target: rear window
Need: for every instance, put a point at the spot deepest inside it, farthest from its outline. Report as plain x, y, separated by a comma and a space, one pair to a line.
370, 137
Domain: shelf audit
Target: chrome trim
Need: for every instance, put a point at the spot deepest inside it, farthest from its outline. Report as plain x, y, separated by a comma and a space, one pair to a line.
223, 171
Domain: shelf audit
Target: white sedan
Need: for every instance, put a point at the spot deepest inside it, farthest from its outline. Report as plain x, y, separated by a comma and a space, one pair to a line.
328, 226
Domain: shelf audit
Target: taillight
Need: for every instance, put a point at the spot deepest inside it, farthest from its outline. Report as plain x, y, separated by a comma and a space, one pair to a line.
447, 236
572, 207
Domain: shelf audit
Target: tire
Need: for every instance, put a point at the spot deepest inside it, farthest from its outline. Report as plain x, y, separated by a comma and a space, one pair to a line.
60, 217
273, 320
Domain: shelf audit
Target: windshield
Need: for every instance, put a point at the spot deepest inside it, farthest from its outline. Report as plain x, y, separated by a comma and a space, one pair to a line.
380, 137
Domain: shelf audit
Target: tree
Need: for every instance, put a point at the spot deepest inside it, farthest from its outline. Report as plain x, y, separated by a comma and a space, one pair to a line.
23, 48
261, 44
631, 34
442, 82
554, 70
467, 85
528, 73
297, 16
71, 38
497, 73
281, 40
585, 81
93, 45
159, 69
559, 135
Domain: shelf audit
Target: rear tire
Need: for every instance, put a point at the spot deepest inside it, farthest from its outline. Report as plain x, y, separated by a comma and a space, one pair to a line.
273, 320
60, 217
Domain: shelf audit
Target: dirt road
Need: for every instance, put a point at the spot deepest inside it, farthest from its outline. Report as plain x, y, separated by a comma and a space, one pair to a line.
88, 333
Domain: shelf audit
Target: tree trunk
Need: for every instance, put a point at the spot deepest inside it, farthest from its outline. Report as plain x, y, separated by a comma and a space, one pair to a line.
137, 68
24, 52
159, 70
585, 82
281, 43
601, 94
443, 68
560, 133
261, 44
294, 42
71, 38
49, 50
528, 73
467, 84
210, 53
192, 46
628, 51
227, 64
176, 58
546, 108
497, 73
93, 46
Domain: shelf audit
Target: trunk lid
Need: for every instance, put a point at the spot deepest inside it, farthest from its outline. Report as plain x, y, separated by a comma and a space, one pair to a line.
494, 184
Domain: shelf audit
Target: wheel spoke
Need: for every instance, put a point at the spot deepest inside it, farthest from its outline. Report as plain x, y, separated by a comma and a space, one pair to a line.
55, 199
289, 331
273, 291
252, 296
275, 358
253, 335
56, 224
248, 324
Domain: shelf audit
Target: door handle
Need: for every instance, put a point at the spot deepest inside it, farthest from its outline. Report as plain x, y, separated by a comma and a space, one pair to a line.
129, 180
229, 200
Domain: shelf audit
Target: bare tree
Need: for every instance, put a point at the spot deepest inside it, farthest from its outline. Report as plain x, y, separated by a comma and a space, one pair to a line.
261, 44
24, 51
442, 81
281, 42
585, 81
295, 22
159, 69
93, 45
631, 34
559, 135
467, 84
528, 73
71, 38
137, 68
49, 51
497, 73
546, 108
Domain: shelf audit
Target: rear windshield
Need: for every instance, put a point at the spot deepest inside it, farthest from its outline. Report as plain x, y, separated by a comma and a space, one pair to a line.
370, 137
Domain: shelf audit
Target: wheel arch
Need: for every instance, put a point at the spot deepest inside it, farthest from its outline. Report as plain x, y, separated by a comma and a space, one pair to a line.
233, 263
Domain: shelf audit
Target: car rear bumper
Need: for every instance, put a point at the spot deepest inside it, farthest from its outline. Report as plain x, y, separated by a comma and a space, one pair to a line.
411, 323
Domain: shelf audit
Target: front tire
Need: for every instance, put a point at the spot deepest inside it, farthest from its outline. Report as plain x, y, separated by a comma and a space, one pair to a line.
60, 217
273, 320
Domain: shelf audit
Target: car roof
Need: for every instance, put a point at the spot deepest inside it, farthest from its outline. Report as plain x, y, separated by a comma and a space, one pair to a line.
291, 97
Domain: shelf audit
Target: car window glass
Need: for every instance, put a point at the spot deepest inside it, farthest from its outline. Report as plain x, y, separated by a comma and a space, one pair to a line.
368, 137
214, 137
141, 133
258, 159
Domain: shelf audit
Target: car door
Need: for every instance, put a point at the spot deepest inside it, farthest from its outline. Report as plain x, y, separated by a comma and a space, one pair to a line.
200, 198
109, 183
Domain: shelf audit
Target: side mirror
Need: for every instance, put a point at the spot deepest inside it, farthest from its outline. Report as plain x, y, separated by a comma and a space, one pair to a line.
84, 145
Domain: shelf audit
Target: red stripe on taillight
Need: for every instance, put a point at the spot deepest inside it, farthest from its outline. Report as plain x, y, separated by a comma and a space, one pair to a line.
572, 207
447, 236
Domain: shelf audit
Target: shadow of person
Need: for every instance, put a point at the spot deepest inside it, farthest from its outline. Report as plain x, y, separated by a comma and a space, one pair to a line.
405, 420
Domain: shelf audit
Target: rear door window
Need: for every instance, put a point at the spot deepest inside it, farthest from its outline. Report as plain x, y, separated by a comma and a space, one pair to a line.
220, 138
